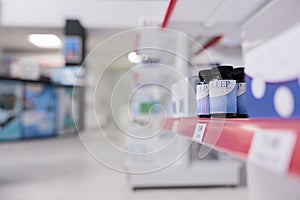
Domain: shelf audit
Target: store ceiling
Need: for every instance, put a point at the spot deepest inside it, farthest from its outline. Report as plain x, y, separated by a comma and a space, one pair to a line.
103, 18
213, 12
14, 39
91, 13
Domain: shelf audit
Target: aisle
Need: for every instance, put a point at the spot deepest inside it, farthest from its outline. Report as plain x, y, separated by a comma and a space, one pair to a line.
60, 168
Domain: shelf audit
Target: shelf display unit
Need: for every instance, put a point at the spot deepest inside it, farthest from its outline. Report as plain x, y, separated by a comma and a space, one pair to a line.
189, 169
41, 108
240, 137
269, 141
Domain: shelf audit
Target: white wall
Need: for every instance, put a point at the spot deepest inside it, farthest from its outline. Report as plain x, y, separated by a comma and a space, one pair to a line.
225, 55
99, 89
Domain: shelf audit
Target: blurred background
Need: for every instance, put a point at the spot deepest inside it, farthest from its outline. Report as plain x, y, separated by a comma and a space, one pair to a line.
98, 99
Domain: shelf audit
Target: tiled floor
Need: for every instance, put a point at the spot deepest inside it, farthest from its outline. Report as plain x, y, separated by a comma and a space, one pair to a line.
60, 168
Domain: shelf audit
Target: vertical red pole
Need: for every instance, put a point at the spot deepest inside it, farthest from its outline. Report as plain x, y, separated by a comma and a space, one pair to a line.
168, 13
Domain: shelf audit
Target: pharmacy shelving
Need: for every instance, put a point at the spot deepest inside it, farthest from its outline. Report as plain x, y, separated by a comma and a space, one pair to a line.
243, 138
272, 143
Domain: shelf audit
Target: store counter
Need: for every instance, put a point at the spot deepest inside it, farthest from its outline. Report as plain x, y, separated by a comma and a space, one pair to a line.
31, 109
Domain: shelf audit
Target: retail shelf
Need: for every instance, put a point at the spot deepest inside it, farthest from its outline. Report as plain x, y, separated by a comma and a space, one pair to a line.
46, 82
203, 173
243, 138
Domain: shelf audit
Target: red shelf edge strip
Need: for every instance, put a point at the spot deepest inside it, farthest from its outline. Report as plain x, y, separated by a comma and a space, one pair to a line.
242, 141
168, 13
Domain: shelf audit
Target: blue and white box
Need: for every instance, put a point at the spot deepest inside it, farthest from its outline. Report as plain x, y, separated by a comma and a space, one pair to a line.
273, 66
11, 102
39, 115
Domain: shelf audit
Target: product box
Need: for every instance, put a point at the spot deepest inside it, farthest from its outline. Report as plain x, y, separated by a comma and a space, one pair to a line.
272, 65
11, 100
39, 114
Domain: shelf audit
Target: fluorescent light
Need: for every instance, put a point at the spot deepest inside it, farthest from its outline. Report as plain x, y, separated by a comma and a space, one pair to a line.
45, 40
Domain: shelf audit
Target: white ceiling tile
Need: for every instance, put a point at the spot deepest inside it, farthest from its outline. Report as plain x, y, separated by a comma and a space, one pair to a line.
193, 10
241, 10
92, 13
221, 11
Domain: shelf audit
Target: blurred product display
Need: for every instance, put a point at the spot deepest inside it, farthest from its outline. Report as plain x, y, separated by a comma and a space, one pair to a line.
11, 102
39, 115
162, 94
31, 109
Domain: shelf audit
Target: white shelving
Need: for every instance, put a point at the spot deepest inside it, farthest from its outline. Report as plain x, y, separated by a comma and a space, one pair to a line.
256, 21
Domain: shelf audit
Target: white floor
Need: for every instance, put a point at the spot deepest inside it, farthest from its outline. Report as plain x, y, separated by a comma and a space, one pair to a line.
60, 168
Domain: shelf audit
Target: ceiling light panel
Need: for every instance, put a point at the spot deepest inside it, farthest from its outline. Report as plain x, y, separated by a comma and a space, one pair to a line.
45, 40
